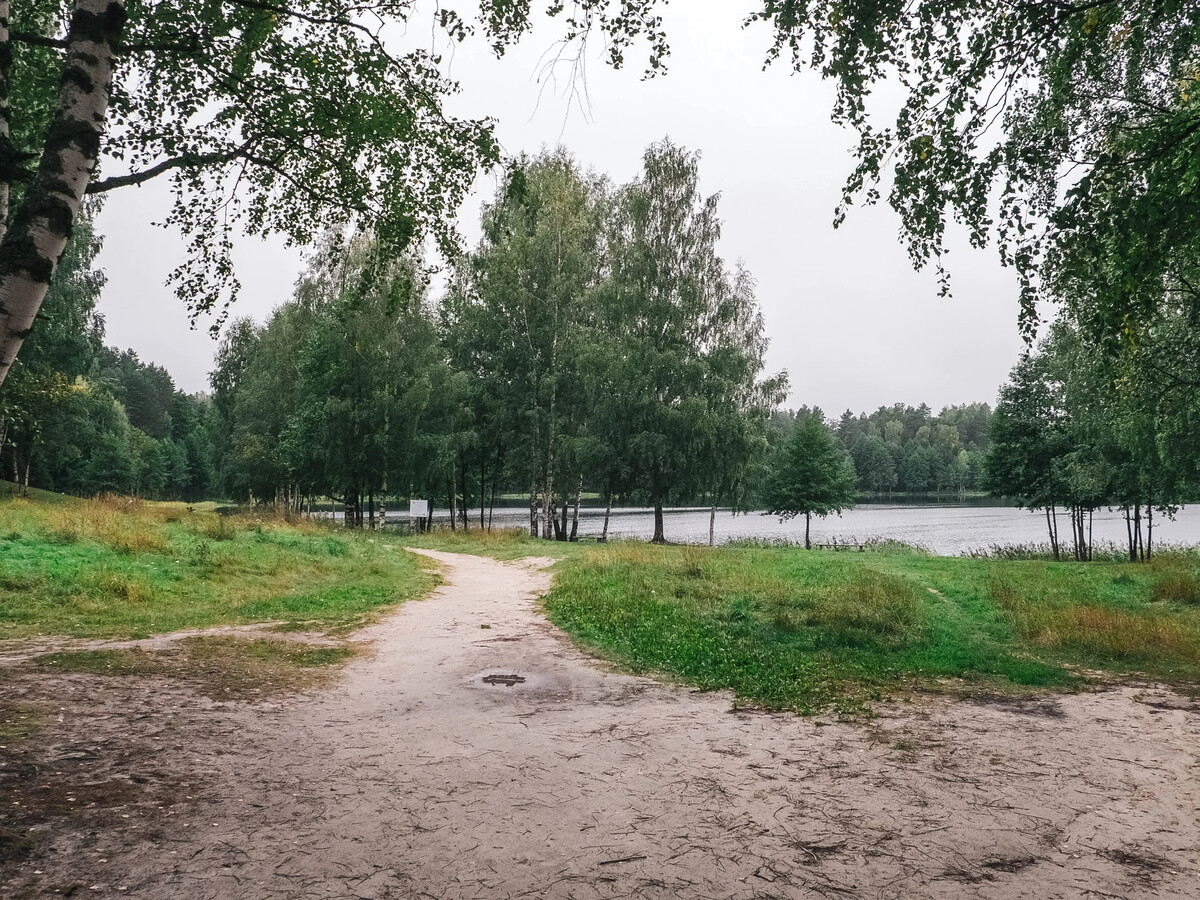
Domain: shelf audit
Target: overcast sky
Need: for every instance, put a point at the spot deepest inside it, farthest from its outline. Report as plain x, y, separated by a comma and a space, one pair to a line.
848, 318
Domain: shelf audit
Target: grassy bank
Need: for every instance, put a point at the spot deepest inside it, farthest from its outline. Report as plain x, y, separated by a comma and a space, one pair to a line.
120, 569
499, 543
806, 630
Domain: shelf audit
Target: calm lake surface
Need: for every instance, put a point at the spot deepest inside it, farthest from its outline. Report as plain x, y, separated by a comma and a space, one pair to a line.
946, 530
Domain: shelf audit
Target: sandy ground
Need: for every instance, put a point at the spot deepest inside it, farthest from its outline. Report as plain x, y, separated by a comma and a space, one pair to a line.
415, 777
19, 652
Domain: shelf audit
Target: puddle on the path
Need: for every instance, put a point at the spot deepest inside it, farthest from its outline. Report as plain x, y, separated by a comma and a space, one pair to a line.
506, 680
513, 681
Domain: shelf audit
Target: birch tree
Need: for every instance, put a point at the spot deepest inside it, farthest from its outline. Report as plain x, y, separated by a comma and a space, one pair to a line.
517, 317
344, 393
677, 355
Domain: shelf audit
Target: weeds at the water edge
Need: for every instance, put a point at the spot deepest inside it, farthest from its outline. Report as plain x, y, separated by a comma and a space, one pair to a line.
1101, 551
868, 544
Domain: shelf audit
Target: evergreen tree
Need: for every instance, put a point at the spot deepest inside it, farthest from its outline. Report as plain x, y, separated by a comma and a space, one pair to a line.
812, 475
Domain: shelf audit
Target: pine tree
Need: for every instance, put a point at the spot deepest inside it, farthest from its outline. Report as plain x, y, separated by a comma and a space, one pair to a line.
812, 476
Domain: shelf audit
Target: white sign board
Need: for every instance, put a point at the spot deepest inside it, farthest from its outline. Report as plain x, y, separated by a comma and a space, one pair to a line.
418, 509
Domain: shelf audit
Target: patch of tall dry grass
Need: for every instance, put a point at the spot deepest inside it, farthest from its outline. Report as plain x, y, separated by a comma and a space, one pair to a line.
1176, 585
114, 585
493, 537
125, 525
868, 608
630, 553
1095, 628
270, 516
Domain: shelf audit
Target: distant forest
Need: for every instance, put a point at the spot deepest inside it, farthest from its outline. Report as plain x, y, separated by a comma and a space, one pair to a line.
907, 449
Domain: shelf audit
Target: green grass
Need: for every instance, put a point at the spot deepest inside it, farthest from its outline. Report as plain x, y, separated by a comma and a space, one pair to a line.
499, 543
808, 630
121, 569
780, 627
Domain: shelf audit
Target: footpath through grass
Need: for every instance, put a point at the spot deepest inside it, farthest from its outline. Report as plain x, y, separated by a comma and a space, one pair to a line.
780, 627
119, 569
807, 630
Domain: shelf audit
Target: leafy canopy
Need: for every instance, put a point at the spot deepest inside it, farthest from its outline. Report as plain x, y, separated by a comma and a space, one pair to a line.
1067, 129
676, 373
291, 118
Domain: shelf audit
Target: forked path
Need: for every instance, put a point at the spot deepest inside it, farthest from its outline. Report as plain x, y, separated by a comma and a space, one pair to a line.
418, 776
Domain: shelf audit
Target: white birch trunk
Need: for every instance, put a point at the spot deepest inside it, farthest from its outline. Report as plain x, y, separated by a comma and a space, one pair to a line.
5, 110
32, 247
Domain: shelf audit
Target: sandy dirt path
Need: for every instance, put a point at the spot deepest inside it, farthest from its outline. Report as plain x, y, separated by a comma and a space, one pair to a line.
413, 777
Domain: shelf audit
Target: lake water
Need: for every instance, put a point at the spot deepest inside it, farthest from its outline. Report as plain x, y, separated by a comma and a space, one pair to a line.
946, 530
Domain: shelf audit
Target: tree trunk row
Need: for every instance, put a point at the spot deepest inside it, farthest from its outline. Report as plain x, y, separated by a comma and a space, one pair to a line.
1140, 542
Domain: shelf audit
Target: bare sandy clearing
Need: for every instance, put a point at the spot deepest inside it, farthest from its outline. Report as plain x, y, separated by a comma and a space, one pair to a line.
420, 775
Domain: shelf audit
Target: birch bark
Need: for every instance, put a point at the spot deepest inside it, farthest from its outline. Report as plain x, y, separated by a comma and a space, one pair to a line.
6, 147
32, 247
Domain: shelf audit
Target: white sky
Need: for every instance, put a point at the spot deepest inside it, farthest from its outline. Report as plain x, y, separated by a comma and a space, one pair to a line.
848, 318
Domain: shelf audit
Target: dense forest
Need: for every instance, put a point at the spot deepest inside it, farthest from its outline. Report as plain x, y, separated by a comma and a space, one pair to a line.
906, 450
909, 449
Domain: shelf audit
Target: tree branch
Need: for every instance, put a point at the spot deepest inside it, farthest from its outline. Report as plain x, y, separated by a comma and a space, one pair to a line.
37, 40
186, 161
188, 43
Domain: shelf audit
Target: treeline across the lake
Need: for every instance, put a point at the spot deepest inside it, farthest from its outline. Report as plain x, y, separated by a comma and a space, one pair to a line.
907, 449
1083, 425
82, 418
594, 341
